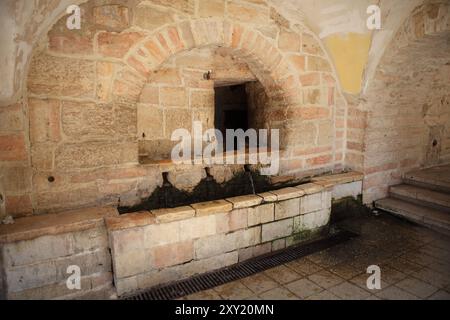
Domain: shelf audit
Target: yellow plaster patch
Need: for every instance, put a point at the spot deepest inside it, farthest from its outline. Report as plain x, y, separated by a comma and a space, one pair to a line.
350, 53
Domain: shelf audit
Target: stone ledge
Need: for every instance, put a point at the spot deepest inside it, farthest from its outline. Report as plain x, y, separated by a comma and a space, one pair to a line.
241, 202
52, 224
130, 220
212, 207
268, 197
335, 179
310, 188
175, 214
288, 193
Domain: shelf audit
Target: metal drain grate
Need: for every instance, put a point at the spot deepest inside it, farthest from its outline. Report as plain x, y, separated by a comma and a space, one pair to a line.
241, 270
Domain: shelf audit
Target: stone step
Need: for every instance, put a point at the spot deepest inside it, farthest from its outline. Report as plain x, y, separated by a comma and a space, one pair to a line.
434, 219
421, 196
436, 178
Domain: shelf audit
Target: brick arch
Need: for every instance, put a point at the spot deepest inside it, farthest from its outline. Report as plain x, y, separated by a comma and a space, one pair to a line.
409, 76
275, 72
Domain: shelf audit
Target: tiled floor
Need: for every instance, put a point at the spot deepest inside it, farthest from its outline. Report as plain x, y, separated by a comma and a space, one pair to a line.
414, 262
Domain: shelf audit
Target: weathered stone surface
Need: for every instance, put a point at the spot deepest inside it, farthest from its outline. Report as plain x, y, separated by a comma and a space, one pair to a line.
212, 207
238, 218
312, 220
94, 154
11, 118
59, 76
173, 97
130, 220
150, 121
197, 227
172, 254
331, 180
288, 193
211, 8
352, 189
310, 188
255, 251
112, 16
287, 208
289, 41
161, 234
87, 120
175, 214
275, 230
52, 224
219, 244
261, 214
245, 13
151, 18
315, 202
245, 201
268, 196
111, 44
12, 147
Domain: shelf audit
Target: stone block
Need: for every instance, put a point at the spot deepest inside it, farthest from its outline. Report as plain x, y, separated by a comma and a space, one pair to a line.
276, 230
60, 76
247, 12
289, 41
130, 220
39, 249
151, 18
175, 214
172, 254
11, 118
315, 202
312, 220
212, 207
197, 227
87, 119
112, 16
211, 8
268, 196
287, 208
352, 189
245, 201
261, 214
239, 219
95, 154
116, 45
127, 240
173, 97
255, 251
288, 193
161, 234
150, 120
310, 188
202, 99
31, 276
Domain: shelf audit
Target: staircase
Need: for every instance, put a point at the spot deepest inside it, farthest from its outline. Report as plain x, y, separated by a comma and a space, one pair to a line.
424, 198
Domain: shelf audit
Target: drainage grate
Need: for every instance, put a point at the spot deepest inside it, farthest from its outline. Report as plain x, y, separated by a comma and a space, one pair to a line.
241, 270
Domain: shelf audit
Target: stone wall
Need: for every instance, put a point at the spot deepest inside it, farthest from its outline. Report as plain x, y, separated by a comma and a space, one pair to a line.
405, 113
147, 248
37, 252
151, 248
73, 140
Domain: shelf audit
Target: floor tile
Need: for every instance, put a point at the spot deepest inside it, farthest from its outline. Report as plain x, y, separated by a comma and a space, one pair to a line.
440, 295
278, 294
283, 274
349, 291
234, 291
259, 283
304, 288
304, 267
204, 295
324, 295
325, 279
417, 287
395, 293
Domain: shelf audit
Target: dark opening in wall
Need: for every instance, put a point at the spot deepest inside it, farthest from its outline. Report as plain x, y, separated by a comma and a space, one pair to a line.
231, 109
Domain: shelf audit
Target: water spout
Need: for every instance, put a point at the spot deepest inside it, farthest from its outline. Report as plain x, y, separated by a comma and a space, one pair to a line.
250, 177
